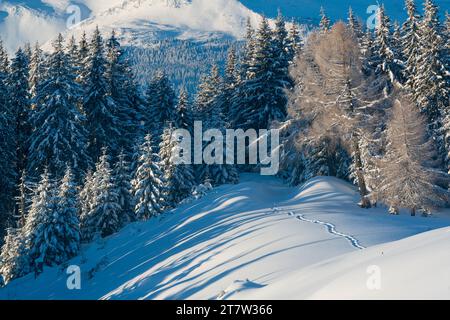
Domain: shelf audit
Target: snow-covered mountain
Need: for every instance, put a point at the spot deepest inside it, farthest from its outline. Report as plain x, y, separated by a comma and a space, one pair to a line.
31, 20
136, 21
261, 239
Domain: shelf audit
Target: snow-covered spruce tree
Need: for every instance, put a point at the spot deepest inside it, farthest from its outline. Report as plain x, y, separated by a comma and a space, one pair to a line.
183, 115
294, 41
14, 260
39, 219
178, 177
122, 182
28, 51
58, 138
280, 69
447, 38
118, 77
368, 51
19, 103
397, 47
420, 185
386, 59
148, 183
230, 81
261, 89
8, 172
410, 44
248, 51
431, 91
325, 23
210, 88
86, 196
354, 25
37, 70
62, 231
98, 105
72, 50
217, 173
161, 104
81, 58
23, 199
239, 97
103, 219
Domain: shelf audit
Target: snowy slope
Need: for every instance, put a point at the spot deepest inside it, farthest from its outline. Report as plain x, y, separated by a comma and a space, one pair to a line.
255, 240
413, 268
140, 21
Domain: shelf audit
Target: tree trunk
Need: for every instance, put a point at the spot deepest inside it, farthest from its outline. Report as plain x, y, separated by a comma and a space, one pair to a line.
363, 192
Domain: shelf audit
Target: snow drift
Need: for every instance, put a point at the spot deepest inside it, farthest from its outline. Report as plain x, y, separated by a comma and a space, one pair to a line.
247, 241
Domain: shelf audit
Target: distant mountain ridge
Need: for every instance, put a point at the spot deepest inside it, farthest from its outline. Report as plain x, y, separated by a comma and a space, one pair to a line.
136, 21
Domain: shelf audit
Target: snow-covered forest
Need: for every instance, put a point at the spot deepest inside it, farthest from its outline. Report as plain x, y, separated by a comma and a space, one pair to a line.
86, 145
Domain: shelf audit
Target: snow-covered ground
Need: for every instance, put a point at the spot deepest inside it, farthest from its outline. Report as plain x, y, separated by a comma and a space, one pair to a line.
261, 239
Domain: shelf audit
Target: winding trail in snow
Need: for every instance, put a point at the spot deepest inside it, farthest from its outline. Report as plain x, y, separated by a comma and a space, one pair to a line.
331, 228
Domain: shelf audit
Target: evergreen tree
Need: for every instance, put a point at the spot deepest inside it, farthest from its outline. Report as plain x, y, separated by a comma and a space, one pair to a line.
39, 219
122, 182
148, 183
231, 80
161, 104
324, 20
179, 177
386, 58
354, 24
239, 98
28, 51
397, 47
73, 53
446, 33
8, 172
210, 88
62, 232
14, 261
214, 118
280, 70
249, 49
183, 115
82, 58
410, 44
37, 70
431, 91
19, 104
58, 136
118, 77
23, 199
262, 100
294, 41
86, 197
72, 49
100, 108
103, 219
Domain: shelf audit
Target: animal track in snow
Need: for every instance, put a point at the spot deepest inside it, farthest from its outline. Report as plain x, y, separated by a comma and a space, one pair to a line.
331, 228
